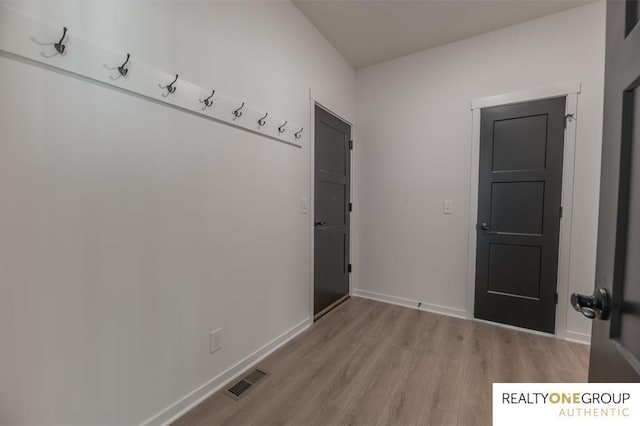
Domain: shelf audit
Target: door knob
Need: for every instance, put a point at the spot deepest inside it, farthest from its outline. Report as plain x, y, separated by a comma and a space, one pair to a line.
484, 226
320, 223
594, 306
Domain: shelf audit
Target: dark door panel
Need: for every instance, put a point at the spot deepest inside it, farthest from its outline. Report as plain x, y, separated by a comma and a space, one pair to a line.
520, 184
615, 337
331, 228
331, 202
517, 207
330, 269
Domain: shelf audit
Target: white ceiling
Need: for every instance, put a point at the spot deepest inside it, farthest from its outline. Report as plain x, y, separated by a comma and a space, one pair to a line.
366, 32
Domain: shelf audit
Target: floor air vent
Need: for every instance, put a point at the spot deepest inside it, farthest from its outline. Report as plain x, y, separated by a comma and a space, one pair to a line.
245, 384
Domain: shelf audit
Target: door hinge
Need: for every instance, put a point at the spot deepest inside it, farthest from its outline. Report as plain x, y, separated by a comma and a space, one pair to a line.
556, 298
351, 144
350, 207
560, 211
349, 268
567, 118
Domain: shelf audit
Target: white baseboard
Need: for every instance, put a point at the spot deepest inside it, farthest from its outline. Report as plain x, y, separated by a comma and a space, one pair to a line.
570, 336
429, 307
186, 403
574, 336
516, 328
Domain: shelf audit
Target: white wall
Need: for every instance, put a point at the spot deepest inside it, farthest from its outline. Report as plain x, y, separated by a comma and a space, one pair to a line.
414, 149
129, 230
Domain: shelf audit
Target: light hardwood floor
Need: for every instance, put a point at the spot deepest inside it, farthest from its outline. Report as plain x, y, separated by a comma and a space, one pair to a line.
371, 363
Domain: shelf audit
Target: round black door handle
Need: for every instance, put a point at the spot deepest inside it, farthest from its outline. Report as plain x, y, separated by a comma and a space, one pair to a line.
320, 223
484, 226
594, 306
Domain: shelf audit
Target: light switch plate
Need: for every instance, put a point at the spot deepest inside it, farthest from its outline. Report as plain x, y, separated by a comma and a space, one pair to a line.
215, 341
304, 206
447, 207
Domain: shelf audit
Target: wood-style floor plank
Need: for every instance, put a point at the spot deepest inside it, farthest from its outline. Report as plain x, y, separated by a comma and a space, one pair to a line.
370, 363
409, 395
475, 401
445, 387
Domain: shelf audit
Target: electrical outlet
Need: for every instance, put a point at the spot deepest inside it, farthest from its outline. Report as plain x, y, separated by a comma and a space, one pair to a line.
447, 207
215, 341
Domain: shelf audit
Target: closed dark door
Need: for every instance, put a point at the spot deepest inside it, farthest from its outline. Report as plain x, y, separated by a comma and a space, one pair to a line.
615, 339
331, 227
520, 182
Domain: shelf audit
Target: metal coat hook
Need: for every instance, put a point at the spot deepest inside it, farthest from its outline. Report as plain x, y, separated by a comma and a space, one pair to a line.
207, 101
171, 88
298, 134
59, 46
282, 129
237, 112
122, 70
262, 121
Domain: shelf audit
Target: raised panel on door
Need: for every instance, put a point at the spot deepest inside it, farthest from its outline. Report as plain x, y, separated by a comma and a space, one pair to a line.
331, 156
517, 207
515, 270
517, 143
332, 203
331, 268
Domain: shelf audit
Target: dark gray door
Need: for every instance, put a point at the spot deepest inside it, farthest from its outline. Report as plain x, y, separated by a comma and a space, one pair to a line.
615, 339
331, 227
520, 182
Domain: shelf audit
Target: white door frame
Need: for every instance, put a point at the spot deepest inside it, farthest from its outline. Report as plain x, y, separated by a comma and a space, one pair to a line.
312, 173
571, 91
